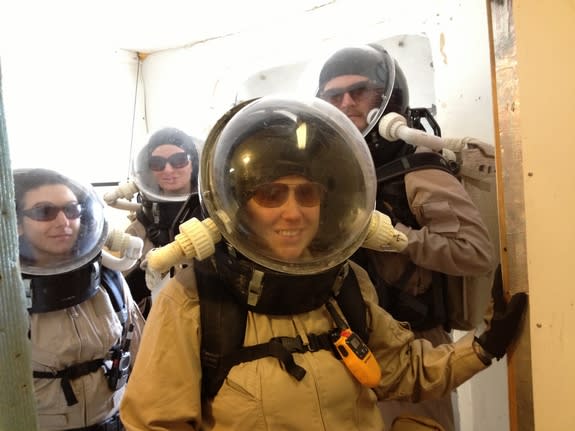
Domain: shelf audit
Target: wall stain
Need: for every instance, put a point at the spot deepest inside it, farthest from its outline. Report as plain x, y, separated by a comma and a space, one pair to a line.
442, 47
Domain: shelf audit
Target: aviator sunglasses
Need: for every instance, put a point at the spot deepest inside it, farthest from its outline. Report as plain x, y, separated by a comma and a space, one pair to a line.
177, 160
49, 212
273, 195
358, 92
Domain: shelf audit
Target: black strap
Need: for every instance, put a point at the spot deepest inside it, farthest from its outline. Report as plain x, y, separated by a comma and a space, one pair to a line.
71, 373
353, 306
113, 423
157, 218
413, 162
281, 348
223, 327
112, 281
136, 280
223, 322
423, 311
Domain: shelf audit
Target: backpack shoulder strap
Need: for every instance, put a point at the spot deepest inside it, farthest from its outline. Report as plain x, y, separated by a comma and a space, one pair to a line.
112, 282
223, 323
413, 162
114, 287
353, 306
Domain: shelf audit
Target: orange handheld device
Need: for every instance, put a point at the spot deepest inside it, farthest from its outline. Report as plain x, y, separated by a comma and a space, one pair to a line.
357, 357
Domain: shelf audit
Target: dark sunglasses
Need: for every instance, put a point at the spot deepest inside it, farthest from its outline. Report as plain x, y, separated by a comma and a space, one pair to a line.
358, 92
49, 212
273, 195
177, 160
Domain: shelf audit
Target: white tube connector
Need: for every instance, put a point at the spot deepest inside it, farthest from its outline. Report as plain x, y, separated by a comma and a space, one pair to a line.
197, 239
476, 159
128, 246
121, 197
382, 236
393, 127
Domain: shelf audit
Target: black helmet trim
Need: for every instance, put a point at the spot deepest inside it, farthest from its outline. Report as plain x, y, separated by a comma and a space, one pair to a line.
280, 294
56, 292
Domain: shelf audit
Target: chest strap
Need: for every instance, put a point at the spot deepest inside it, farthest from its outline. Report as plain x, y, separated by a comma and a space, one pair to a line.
71, 373
113, 423
281, 348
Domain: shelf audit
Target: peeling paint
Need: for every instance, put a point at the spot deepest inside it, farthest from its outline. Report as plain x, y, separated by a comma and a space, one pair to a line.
442, 47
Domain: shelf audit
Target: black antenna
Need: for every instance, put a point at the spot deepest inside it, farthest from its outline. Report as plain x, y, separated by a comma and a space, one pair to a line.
339, 321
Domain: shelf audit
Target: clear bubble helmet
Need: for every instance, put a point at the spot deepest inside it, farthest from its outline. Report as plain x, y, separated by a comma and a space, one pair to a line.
260, 141
43, 197
383, 75
147, 179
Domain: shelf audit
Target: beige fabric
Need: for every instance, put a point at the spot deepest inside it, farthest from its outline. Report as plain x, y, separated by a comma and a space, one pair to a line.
164, 390
415, 423
453, 240
74, 335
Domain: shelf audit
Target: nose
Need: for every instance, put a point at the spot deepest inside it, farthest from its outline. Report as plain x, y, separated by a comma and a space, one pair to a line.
291, 208
347, 100
168, 167
61, 218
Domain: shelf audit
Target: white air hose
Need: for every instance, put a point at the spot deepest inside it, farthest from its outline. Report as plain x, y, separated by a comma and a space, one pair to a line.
129, 246
121, 197
476, 159
393, 127
196, 240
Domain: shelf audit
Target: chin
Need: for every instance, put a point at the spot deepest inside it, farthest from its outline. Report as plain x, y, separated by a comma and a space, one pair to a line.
289, 256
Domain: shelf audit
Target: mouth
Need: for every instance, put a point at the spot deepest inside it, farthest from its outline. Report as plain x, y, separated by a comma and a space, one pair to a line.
289, 233
64, 234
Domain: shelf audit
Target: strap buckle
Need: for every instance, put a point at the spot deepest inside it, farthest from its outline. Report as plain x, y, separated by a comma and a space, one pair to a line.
291, 344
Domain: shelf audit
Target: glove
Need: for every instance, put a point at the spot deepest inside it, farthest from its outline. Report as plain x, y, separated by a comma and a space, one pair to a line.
153, 278
382, 236
504, 324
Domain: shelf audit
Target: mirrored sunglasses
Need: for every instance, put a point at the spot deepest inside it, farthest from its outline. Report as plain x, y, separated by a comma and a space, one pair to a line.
49, 212
177, 161
273, 195
358, 92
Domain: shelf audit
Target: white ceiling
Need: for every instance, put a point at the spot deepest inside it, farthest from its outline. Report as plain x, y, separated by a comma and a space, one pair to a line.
138, 25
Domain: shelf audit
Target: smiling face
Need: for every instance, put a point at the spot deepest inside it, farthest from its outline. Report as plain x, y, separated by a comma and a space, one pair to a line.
287, 229
50, 240
172, 179
354, 96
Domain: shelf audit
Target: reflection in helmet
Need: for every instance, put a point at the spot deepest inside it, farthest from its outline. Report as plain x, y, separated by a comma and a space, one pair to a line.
166, 168
291, 141
61, 224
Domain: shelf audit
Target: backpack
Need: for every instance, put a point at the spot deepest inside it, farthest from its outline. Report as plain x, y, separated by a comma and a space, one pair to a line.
456, 302
223, 325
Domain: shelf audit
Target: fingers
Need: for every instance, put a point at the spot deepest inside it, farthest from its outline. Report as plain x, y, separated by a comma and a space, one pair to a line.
499, 303
516, 306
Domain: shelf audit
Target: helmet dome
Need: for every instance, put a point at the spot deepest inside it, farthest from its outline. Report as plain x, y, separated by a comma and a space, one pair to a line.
274, 137
165, 169
61, 224
382, 71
